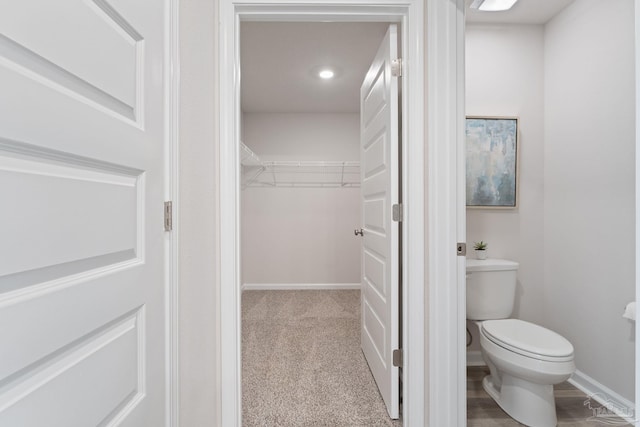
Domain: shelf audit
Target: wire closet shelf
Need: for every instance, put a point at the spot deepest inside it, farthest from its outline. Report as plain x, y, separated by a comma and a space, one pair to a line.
302, 174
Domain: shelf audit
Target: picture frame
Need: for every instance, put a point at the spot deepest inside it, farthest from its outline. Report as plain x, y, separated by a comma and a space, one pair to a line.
492, 162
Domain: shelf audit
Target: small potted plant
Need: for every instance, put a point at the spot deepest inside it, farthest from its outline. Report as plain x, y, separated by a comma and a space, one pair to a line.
481, 249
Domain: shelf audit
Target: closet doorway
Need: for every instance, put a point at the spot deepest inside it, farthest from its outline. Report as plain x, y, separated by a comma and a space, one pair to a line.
320, 173
409, 14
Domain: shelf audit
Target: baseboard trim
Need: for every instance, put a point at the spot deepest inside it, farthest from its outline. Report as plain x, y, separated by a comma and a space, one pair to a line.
474, 358
297, 286
609, 403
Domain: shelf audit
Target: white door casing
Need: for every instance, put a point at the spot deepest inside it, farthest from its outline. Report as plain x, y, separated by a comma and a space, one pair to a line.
446, 213
410, 14
379, 190
82, 281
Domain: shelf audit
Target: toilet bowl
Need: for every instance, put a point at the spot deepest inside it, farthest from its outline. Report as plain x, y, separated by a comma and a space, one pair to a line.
525, 360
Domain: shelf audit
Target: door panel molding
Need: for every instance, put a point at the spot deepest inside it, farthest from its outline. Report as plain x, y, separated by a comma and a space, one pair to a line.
29, 64
89, 290
121, 338
113, 77
379, 150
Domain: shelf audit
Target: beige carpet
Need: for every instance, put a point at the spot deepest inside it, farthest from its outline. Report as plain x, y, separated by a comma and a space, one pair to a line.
302, 364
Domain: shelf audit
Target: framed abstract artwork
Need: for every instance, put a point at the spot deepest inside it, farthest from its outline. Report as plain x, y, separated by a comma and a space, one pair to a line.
492, 162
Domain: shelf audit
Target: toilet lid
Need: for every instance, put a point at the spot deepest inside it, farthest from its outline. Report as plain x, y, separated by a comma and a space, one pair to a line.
527, 339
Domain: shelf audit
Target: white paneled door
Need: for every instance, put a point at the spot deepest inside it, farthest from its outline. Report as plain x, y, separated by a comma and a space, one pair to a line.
82, 143
379, 189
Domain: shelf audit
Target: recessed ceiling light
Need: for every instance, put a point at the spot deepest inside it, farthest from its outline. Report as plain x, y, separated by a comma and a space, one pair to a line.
326, 74
492, 5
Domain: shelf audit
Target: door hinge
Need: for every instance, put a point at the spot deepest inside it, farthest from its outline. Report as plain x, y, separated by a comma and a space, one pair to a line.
168, 216
461, 249
396, 67
397, 212
397, 358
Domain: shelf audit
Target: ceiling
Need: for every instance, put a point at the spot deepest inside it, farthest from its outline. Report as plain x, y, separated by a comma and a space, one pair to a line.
523, 12
280, 60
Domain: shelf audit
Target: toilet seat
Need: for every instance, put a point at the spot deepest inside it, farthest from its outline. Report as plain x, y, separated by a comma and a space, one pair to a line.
528, 339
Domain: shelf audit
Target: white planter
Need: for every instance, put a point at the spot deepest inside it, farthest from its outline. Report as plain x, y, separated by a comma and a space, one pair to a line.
481, 254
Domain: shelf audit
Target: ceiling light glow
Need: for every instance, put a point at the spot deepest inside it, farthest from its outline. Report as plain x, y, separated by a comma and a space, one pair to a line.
326, 74
492, 5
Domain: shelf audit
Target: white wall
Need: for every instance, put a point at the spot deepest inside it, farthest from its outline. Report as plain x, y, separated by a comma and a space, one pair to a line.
303, 136
301, 235
589, 250
571, 82
504, 77
199, 375
200, 323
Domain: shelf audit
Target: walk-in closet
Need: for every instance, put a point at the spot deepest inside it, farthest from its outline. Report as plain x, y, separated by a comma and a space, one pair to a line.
300, 154
300, 201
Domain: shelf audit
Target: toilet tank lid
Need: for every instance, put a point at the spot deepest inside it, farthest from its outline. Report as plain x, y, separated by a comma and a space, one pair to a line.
491, 264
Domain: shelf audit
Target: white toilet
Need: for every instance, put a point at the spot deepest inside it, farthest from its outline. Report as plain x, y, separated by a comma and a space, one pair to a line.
525, 359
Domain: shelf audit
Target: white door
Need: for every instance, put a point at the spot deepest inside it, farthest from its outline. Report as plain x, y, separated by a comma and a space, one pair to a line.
379, 188
81, 230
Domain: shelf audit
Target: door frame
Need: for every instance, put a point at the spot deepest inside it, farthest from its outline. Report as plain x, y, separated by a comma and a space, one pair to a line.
171, 192
637, 166
434, 387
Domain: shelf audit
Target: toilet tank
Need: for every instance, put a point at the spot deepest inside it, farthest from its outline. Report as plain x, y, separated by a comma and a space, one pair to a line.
491, 288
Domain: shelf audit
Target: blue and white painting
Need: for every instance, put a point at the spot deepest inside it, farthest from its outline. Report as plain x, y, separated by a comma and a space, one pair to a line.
492, 162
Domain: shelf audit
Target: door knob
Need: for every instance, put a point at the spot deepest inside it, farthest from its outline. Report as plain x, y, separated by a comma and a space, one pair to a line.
358, 232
